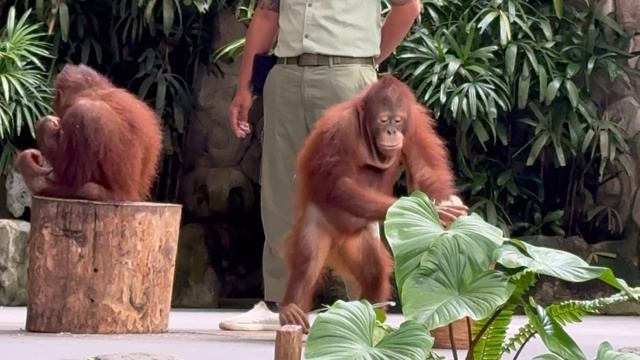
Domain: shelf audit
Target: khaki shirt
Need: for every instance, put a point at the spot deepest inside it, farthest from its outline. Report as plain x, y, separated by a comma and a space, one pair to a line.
329, 27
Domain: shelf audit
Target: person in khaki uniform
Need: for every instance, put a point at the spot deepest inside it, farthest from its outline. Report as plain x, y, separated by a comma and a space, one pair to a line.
327, 51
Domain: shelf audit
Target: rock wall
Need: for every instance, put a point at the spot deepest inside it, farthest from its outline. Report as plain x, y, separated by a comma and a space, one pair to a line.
622, 100
622, 193
222, 237
14, 236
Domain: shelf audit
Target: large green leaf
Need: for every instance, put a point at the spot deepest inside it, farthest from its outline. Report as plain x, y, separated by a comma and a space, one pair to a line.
552, 334
556, 263
451, 284
606, 352
412, 225
346, 331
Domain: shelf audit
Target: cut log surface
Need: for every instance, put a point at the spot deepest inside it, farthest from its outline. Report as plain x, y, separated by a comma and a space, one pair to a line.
100, 267
288, 343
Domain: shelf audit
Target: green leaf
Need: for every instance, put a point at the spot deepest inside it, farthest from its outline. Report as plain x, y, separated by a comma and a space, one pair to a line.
547, 357
480, 131
148, 15
161, 94
412, 225
450, 285
606, 352
487, 20
557, 146
572, 70
510, 58
552, 334
542, 79
552, 90
587, 140
505, 29
64, 20
168, 14
557, 263
523, 86
346, 331
558, 6
573, 92
554, 216
536, 148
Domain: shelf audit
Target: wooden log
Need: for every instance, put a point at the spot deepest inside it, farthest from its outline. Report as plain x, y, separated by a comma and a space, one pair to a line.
101, 267
288, 343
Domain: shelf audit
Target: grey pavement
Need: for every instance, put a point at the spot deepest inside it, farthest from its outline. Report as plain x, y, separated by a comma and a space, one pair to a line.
194, 334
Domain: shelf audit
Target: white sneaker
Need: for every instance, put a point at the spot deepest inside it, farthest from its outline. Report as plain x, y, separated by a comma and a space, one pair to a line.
260, 318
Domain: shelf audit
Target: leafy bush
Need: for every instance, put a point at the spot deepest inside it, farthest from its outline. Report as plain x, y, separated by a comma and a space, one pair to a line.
469, 270
24, 82
513, 83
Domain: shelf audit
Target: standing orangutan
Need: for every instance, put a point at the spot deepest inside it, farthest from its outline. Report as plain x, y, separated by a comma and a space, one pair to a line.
346, 170
104, 143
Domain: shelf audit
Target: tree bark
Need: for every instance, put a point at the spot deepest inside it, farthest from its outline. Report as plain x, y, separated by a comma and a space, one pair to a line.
101, 267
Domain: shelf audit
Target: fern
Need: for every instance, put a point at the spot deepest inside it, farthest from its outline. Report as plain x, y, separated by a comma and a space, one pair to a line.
521, 336
489, 345
571, 311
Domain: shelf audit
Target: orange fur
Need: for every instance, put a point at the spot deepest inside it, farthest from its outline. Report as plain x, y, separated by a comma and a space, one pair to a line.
340, 194
105, 145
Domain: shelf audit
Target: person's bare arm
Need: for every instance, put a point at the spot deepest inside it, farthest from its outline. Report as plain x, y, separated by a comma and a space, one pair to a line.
260, 36
397, 25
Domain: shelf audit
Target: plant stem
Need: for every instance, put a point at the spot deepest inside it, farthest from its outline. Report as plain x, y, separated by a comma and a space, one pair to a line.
453, 343
481, 332
469, 334
522, 346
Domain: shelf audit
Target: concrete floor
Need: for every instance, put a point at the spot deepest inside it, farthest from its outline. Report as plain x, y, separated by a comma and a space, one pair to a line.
194, 334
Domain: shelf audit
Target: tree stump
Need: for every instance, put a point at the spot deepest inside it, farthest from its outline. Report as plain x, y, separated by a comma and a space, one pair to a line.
288, 343
101, 267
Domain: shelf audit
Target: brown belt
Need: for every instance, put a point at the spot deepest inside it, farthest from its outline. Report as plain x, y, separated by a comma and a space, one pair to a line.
324, 60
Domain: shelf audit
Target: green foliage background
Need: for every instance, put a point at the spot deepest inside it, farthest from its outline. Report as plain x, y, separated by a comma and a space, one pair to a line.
512, 83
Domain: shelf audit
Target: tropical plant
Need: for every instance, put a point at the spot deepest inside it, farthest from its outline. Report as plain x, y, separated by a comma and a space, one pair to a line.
467, 271
512, 82
24, 82
153, 48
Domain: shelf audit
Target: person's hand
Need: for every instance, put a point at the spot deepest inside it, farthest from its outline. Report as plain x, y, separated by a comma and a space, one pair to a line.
450, 209
239, 113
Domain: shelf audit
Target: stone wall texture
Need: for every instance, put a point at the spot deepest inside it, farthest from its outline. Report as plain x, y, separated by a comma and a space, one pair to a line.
622, 193
622, 100
222, 237
14, 236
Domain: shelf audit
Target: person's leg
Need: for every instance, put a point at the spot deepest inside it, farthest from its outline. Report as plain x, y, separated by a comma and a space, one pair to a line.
284, 134
325, 86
